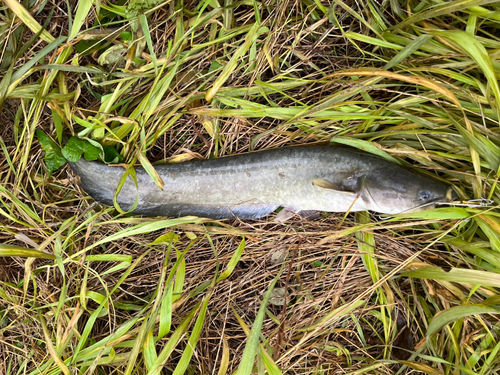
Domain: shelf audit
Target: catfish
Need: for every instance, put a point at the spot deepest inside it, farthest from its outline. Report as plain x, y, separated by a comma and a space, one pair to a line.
300, 179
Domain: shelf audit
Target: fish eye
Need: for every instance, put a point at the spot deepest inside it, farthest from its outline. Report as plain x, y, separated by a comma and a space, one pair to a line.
424, 195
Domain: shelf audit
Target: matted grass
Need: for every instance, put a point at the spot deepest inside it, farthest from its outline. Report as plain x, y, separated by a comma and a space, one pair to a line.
86, 290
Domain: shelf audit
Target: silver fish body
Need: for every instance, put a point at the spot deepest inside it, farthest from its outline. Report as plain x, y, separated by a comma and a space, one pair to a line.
250, 186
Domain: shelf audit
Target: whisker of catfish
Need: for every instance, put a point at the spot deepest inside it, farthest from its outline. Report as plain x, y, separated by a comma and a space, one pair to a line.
471, 203
406, 211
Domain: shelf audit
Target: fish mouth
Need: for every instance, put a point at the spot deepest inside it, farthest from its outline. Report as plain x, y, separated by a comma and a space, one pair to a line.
451, 195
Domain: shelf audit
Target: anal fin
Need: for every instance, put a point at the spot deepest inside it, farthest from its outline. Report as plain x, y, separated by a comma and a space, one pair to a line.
288, 212
309, 214
285, 214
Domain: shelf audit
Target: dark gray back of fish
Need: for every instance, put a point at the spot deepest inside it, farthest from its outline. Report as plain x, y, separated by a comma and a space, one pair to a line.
248, 186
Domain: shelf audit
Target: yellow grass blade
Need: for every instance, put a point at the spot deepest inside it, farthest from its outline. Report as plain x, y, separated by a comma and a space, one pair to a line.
18, 251
28, 19
416, 80
233, 62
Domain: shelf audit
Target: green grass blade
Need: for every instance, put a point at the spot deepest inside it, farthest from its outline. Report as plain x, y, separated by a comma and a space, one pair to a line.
80, 17
130, 171
146, 227
491, 227
166, 313
4, 84
150, 355
233, 261
145, 29
148, 167
139, 345
478, 53
18, 251
193, 339
364, 146
457, 275
248, 358
408, 50
458, 312
233, 62
436, 11
172, 342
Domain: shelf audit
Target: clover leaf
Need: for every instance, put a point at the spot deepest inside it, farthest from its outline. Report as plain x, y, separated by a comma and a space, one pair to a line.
77, 147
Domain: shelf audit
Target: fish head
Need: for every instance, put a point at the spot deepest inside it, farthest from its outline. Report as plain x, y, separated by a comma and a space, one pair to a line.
395, 190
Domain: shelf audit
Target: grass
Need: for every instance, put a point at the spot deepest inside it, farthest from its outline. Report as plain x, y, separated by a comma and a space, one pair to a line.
87, 290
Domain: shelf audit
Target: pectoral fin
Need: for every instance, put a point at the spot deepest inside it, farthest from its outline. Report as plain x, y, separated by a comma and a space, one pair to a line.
285, 214
327, 185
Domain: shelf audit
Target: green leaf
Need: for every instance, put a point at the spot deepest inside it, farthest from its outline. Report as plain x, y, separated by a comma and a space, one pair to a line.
73, 149
36, 58
126, 36
71, 68
4, 83
180, 276
108, 258
490, 227
172, 342
76, 147
445, 213
86, 47
166, 313
53, 156
146, 227
366, 246
150, 355
166, 238
250, 38
214, 65
433, 11
26, 17
111, 155
91, 149
54, 162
